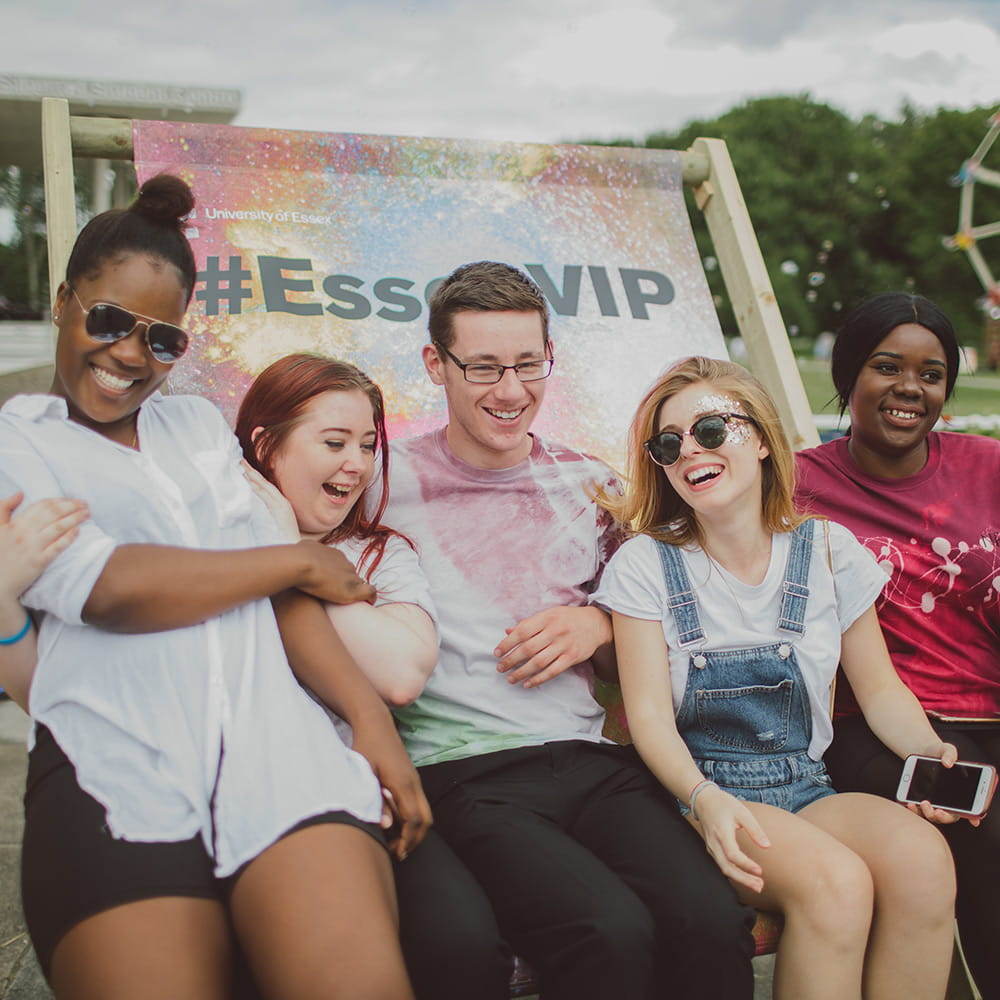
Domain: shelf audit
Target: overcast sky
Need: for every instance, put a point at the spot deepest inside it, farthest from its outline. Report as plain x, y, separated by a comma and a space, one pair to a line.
523, 70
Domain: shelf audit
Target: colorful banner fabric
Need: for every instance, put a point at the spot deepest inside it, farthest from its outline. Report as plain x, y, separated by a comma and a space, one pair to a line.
330, 243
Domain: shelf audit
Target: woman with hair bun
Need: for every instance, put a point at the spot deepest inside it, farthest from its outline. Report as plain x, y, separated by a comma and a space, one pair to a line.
926, 504
182, 787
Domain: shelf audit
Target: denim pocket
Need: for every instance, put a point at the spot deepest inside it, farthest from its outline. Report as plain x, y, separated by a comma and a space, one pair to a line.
754, 718
821, 779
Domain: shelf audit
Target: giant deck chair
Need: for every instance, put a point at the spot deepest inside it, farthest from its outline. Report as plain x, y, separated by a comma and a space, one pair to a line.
604, 232
365, 223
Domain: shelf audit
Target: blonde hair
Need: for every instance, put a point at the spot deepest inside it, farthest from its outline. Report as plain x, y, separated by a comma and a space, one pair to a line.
651, 506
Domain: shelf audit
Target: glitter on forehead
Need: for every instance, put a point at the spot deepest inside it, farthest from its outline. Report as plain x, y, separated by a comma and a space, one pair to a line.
714, 403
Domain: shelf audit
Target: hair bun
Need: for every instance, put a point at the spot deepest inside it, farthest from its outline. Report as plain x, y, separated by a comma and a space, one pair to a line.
164, 200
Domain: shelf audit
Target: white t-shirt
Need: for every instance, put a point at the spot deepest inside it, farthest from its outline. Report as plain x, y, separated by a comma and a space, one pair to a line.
497, 546
398, 578
155, 724
735, 615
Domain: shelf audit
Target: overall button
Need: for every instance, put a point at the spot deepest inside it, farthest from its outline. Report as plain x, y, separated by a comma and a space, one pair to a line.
784, 651
699, 661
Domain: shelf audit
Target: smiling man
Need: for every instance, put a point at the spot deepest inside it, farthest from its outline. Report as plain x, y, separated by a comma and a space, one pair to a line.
589, 869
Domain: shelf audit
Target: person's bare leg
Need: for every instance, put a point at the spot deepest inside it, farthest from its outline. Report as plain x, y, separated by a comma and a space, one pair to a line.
825, 893
157, 949
910, 948
316, 916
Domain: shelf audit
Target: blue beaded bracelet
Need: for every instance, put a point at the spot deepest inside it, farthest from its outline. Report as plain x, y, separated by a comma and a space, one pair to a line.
25, 628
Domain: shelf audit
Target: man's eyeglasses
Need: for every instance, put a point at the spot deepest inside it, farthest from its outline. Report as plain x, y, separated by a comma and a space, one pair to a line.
483, 373
709, 432
108, 323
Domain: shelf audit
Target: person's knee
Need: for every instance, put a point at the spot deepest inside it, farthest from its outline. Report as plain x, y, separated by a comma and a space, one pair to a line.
834, 899
606, 949
620, 930
919, 876
714, 923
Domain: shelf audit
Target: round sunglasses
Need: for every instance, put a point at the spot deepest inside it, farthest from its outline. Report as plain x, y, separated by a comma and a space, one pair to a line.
108, 323
709, 433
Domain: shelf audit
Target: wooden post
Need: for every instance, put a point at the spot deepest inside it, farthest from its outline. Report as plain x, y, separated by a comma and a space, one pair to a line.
735, 243
60, 193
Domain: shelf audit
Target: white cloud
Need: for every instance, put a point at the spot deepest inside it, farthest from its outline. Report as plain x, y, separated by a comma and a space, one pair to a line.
522, 71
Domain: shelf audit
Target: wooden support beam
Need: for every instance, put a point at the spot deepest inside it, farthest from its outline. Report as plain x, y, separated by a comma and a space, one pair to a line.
749, 287
111, 139
60, 192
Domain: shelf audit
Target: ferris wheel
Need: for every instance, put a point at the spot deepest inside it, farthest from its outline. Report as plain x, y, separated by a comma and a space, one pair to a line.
969, 235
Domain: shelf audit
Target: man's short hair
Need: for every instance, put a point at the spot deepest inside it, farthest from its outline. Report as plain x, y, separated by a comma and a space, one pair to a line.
484, 286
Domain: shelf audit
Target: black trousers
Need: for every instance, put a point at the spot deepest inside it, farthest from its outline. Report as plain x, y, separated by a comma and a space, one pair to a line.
592, 874
859, 762
451, 942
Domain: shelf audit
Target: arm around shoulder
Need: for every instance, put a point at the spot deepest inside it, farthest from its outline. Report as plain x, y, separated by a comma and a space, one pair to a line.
152, 588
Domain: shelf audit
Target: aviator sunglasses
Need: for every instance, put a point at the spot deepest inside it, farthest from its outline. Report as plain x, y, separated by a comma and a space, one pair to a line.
709, 433
108, 323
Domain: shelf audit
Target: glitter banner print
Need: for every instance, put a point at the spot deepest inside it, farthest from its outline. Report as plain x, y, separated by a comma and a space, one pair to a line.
331, 243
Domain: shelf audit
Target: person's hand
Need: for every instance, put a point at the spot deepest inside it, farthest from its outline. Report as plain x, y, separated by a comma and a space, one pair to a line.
406, 813
281, 510
331, 576
939, 816
720, 816
547, 643
31, 538
947, 753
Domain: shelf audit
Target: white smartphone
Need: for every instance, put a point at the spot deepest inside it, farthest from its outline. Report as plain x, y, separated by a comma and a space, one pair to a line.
965, 788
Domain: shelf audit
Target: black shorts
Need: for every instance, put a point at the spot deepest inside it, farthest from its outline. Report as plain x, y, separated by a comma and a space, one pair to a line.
73, 868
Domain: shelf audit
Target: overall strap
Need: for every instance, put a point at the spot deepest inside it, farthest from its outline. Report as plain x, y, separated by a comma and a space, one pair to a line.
680, 596
795, 591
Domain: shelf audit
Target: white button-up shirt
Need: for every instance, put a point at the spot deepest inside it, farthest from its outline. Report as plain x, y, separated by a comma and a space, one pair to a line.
200, 730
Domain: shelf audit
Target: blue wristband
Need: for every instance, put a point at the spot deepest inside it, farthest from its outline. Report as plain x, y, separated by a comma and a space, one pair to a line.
25, 628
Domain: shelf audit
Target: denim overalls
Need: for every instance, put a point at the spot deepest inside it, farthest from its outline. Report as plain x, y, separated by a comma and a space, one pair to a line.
745, 713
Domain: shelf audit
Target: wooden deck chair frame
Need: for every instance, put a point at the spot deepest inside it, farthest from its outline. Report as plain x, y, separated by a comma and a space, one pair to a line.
706, 167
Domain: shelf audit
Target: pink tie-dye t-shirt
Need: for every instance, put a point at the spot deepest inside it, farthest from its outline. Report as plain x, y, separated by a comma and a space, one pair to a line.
498, 545
937, 534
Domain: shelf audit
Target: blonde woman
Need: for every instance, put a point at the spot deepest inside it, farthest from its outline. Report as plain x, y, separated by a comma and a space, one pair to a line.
730, 615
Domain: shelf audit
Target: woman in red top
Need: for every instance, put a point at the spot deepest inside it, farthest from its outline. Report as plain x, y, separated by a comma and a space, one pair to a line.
927, 506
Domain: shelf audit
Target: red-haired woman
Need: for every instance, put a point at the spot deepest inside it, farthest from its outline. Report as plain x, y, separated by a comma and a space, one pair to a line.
313, 432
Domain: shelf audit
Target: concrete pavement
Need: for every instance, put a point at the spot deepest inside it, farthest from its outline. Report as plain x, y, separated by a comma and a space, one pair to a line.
20, 977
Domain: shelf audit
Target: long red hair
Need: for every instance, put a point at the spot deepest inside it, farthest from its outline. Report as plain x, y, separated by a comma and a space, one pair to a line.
275, 402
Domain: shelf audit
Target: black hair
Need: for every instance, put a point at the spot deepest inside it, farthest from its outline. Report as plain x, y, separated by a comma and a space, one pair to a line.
152, 225
871, 321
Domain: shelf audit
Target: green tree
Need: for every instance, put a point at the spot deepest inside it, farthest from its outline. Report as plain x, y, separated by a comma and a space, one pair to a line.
845, 208
23, 260
24, 273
